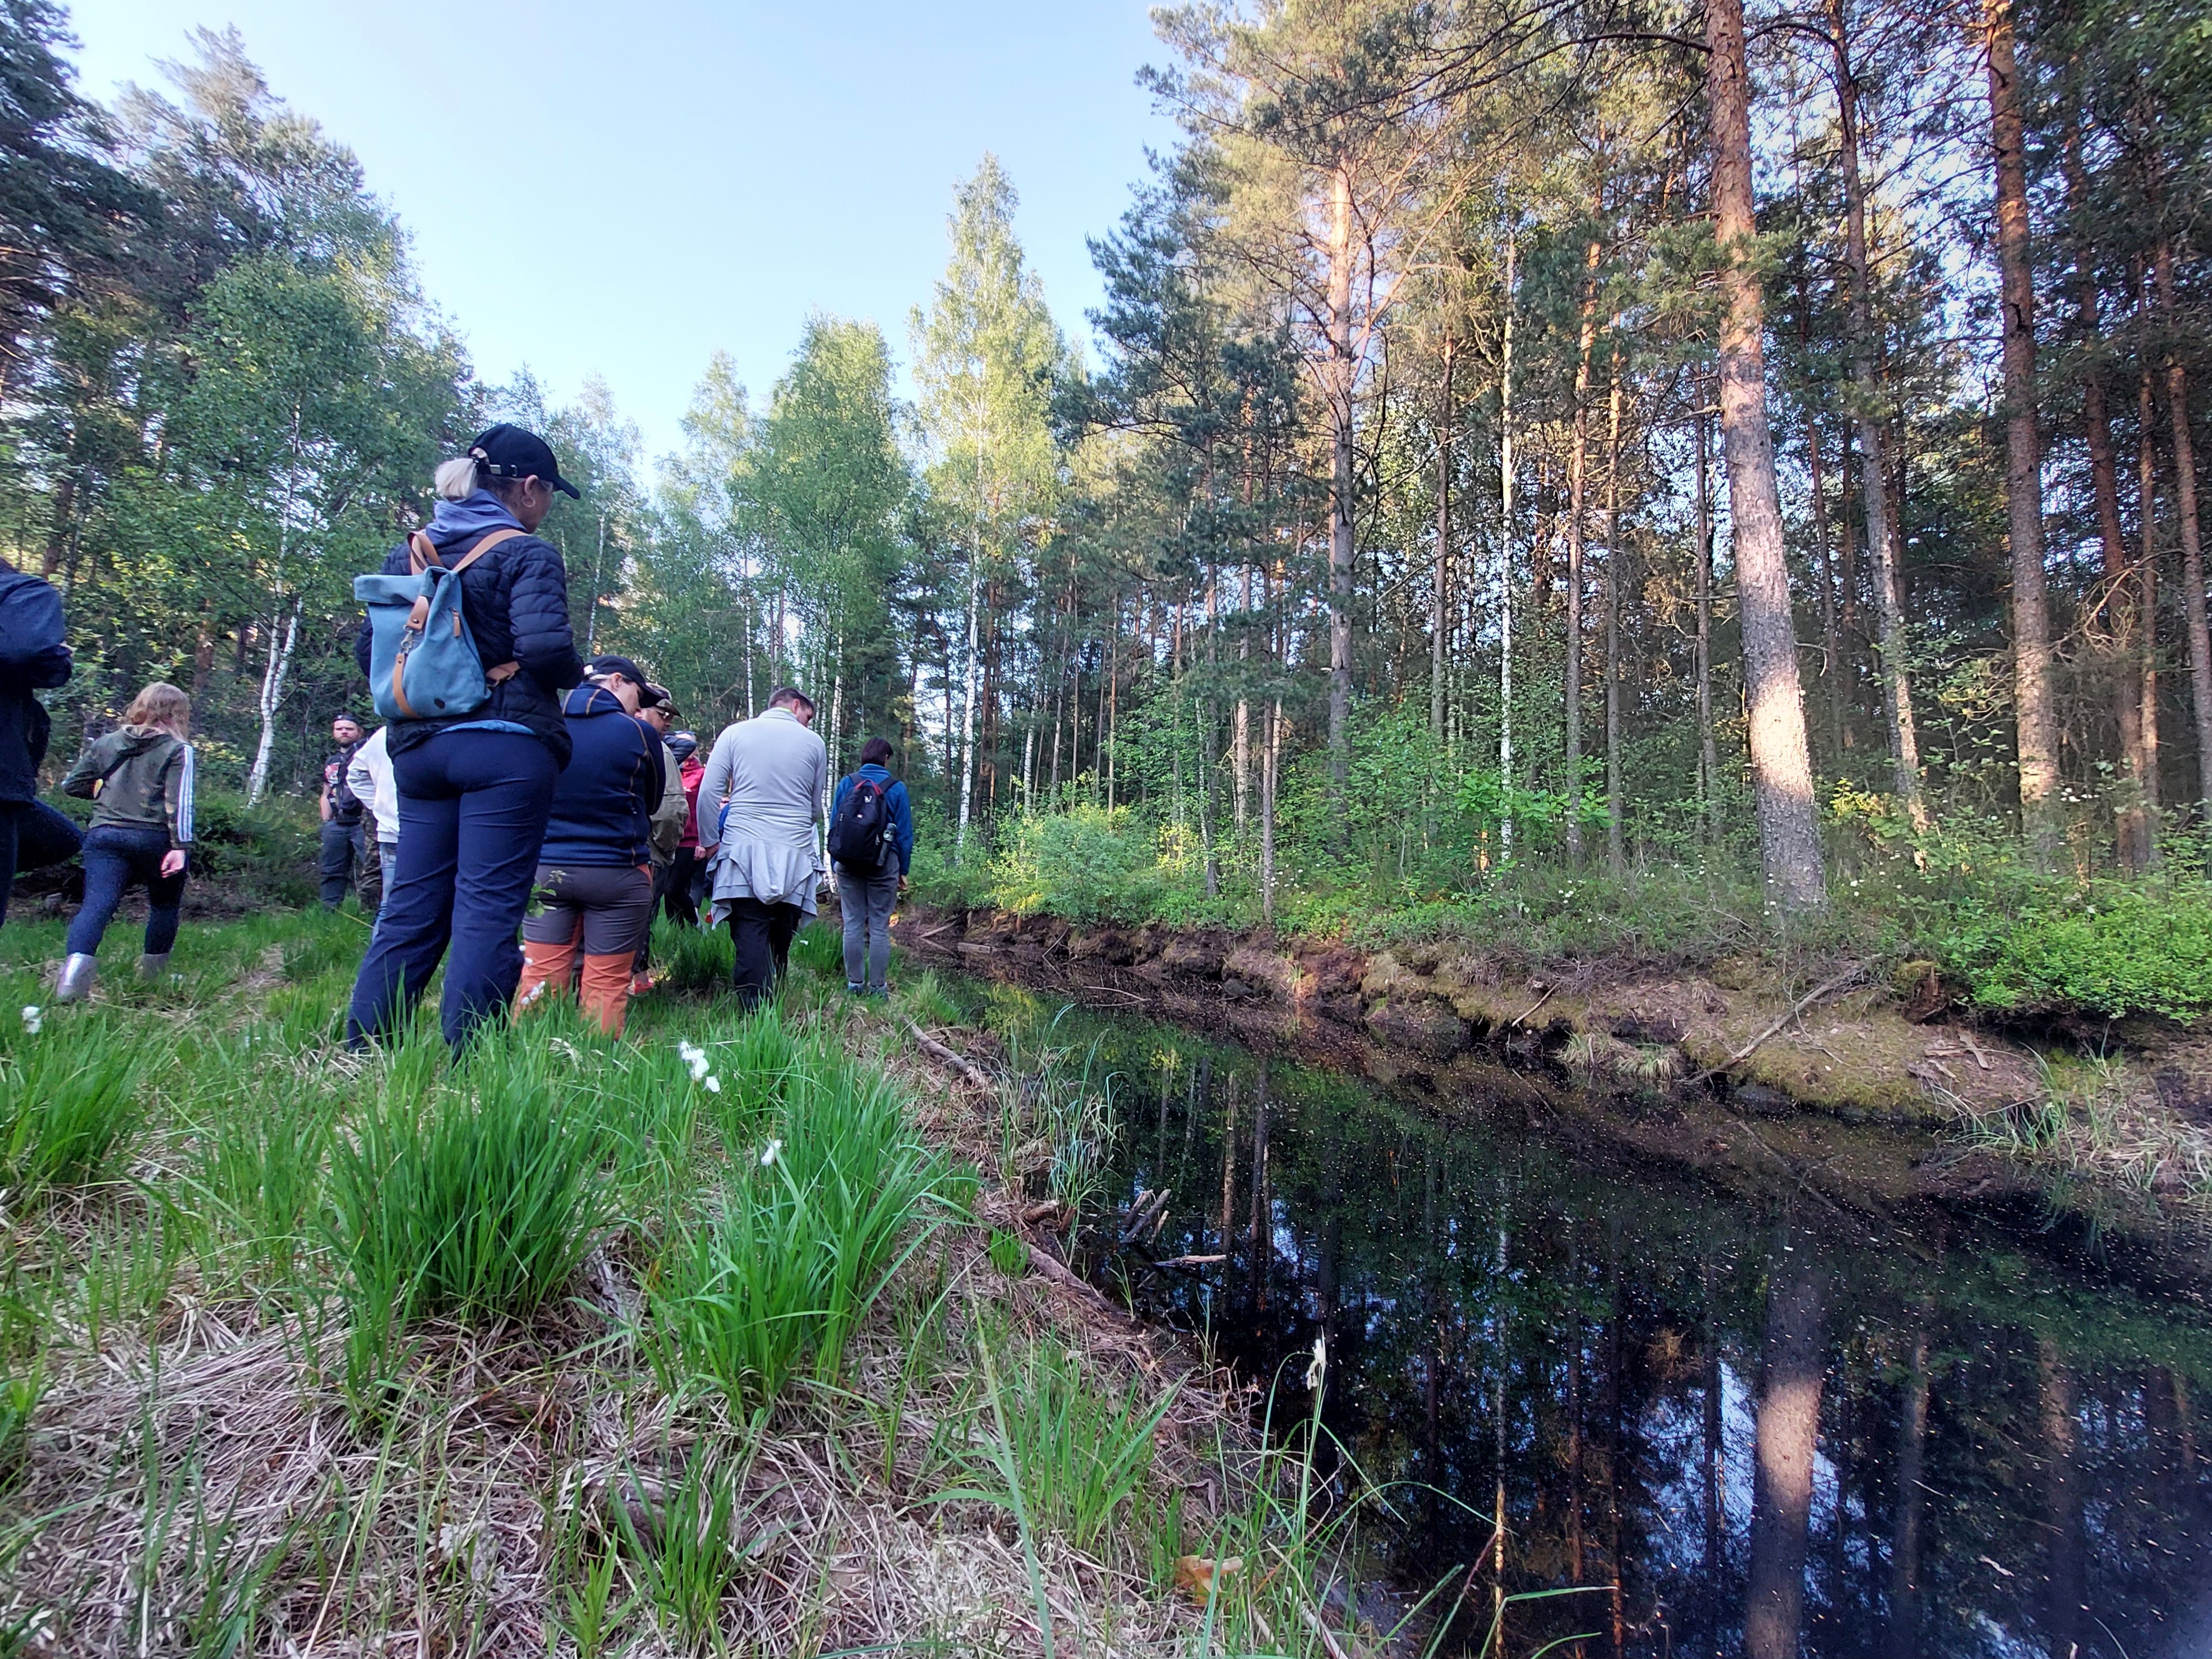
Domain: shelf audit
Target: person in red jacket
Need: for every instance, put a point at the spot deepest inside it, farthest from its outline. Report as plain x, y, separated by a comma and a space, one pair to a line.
678, 896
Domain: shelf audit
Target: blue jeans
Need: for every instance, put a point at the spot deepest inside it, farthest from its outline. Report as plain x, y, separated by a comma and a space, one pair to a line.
31, 837
867, 901
472, 812
115, 861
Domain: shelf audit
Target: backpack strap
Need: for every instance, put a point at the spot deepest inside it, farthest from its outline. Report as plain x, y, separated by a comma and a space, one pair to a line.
422, 555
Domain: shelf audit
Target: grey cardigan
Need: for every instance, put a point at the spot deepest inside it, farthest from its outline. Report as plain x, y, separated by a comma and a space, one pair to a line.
774, 773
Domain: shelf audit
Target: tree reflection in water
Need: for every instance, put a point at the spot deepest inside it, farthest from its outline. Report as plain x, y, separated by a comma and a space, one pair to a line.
1746, 1433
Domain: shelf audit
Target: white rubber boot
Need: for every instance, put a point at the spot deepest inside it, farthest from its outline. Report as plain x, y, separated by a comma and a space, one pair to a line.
152, 967
76, 982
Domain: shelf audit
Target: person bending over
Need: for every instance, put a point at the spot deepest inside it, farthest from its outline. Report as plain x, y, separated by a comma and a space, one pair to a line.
594, 887
759, 802
872, 840
475, 789
140, 779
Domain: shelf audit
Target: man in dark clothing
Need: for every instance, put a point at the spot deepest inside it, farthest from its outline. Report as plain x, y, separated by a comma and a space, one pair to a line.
475, 790
34, 657
345, 839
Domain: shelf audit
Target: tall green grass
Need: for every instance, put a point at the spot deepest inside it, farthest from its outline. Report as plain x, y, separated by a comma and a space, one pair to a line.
69, 1104
478, 1198
815, 1219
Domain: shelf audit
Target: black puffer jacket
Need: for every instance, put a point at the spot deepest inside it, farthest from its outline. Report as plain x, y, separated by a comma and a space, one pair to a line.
32, 657
516, 599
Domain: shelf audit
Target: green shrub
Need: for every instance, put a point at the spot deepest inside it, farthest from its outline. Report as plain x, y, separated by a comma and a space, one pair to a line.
1085, 864
2110, 949
937, 880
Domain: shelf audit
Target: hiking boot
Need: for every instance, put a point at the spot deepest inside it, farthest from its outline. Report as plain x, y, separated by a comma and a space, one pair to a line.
151, 967
76, 982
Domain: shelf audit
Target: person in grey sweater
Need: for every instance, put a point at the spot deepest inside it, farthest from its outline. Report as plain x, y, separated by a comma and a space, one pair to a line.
760, 804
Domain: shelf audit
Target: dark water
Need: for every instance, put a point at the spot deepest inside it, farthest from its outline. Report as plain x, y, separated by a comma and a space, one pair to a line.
1968, 1448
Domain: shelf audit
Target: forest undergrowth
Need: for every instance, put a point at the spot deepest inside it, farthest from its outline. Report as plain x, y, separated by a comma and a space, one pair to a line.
723, 1338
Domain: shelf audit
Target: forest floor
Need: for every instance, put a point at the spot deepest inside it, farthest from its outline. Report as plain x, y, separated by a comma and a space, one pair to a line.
735, 1335
1866, 1084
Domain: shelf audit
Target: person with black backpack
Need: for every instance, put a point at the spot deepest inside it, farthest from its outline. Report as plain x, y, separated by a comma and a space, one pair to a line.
872, 844
475, 773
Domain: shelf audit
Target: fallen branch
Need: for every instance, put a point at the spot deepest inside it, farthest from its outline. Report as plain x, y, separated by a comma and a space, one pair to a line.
1834, 982
1189, 1261
959, 1062
1532, 1008
1067, 1278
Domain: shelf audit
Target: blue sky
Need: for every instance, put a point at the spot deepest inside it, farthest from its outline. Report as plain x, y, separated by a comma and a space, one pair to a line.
629, 188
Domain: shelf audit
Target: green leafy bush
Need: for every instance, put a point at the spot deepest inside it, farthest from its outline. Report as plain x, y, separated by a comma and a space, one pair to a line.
2112, 948
1085, 864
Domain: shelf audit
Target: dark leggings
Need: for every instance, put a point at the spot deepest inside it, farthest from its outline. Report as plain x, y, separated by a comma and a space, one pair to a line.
31, 837
117, 860
762, 934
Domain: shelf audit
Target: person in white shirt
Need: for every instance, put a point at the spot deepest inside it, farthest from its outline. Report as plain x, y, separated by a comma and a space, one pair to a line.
369, 776
771, 774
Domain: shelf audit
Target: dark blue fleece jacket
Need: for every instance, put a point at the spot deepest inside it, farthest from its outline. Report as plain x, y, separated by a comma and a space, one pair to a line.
901, 834
603, 806
516, 599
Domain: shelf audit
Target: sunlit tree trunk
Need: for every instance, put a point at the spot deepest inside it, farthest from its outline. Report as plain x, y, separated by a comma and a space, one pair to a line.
1782, 766
1342, 387
2147, 596
1708, 756
1440, 577
1506, 482
1615, 857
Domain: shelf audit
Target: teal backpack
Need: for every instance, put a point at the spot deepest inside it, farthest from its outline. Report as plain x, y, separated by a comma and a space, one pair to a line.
423, 661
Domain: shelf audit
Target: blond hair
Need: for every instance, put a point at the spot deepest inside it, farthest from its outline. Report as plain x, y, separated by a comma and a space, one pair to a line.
163, 705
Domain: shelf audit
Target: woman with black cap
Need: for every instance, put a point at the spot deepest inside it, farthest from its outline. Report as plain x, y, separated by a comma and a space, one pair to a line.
476, 789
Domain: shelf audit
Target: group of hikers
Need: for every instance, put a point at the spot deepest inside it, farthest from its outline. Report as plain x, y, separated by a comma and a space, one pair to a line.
520, 815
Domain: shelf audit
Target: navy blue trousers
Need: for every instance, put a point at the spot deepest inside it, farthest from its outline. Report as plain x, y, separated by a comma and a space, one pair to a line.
472, 812
116, 859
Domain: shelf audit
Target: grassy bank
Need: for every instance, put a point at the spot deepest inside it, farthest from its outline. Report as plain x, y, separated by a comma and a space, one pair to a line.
725, 1338
2002, 939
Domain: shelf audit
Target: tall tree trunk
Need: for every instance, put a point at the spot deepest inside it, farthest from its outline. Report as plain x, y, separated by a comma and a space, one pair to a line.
2035, 717
968, 705
1708, 756
1440, 579
58, 526
1794, 1364
2147, 595
282, 641
2130, 823
1274, 735
1577, 485
1782, 767
2192, 547
1342, 389
1881, 538
1505, 481
1615, 859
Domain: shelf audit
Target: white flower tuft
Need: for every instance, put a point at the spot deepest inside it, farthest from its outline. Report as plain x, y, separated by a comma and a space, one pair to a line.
1318, 1367
769, 1153
714, 1085
33, 1019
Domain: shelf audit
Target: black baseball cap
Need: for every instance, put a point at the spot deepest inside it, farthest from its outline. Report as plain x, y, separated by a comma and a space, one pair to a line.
649, 695
512, 451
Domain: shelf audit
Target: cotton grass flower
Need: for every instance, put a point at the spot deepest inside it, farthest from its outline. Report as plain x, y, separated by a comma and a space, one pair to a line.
714, 1085
1317, 1367
33, 1017
770, 1153
695, 1057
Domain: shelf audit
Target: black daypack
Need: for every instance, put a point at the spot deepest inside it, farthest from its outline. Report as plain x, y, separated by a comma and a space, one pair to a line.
858, 838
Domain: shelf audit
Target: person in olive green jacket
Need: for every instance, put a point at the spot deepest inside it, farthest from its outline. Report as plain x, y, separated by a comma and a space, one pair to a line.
141, 777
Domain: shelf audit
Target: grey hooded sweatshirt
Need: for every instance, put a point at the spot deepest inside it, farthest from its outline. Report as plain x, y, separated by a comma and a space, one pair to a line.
141, 778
